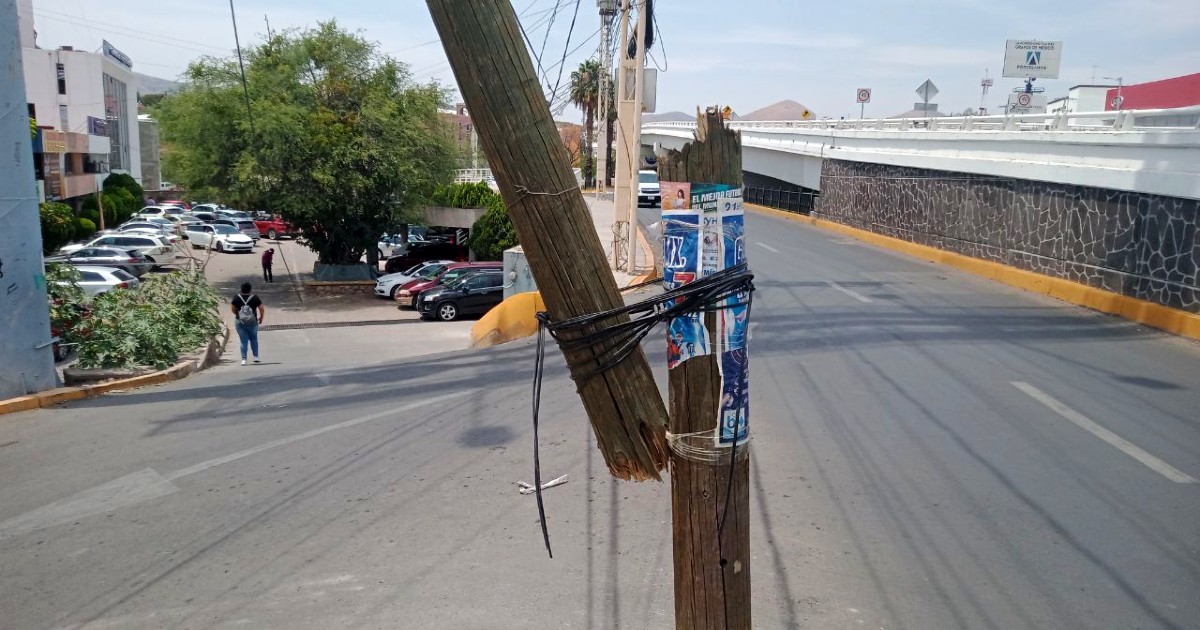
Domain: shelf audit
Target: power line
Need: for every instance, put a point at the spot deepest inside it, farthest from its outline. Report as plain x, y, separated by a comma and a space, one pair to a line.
157, 38
562, 64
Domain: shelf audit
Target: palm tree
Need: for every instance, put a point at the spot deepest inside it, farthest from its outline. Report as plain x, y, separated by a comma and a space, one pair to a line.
585, 94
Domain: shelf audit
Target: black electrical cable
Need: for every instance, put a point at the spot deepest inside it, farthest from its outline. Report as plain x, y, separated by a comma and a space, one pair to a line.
612, 342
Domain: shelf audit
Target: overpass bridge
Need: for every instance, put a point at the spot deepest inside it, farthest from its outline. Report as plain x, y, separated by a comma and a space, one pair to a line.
1099, 198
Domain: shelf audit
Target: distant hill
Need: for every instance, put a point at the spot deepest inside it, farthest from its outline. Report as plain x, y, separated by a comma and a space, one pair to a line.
668, 117
783, 110
147, 84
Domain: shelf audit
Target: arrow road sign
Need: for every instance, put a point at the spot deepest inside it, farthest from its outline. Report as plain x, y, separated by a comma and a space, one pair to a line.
927, 91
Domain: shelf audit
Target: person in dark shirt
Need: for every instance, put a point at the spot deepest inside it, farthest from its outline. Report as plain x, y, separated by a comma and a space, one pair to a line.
268, 259
248, 312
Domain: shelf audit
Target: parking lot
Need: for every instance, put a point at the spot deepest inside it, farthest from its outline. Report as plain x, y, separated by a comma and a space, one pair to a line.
359, 327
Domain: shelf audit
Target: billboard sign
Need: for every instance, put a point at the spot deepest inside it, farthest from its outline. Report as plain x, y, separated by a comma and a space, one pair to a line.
1030, 58
111, 52
1025, 103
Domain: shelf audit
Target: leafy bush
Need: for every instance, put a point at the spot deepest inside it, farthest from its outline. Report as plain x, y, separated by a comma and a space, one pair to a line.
84, 228
460, 195
67, 300
58, 224
126, 182
492, 234
169, 315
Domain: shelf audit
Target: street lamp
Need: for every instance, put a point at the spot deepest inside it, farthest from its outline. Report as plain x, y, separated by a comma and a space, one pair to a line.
1116, 102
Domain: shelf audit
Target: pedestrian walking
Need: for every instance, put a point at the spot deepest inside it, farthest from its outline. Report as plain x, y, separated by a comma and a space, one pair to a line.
268, 259
248, 313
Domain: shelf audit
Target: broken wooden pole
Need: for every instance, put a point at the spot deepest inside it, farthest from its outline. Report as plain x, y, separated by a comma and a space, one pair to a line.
482, 39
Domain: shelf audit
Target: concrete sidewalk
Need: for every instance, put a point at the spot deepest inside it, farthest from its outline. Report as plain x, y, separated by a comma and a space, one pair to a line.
604, 215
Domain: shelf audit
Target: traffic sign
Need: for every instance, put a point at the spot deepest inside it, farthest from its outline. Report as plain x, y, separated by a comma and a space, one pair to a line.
1025, 103
1023, 100
727, 112
864, 95
806, 114
927, 91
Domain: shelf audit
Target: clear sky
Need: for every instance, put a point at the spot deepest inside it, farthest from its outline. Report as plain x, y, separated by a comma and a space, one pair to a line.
747, 53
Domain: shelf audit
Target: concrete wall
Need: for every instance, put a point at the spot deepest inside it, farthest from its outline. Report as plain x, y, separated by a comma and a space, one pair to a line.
452, 217
24, 314
1140, 245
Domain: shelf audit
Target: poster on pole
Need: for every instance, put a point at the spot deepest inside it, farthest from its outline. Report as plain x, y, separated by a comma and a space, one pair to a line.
1031, 58
687, 336
703, 233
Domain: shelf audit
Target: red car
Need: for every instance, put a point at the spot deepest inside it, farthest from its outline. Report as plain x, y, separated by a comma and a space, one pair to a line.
274, 227
407, 295
177, 202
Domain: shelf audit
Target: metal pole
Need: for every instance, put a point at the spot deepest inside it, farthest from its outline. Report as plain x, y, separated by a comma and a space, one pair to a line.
624, 122
602, 166
635, 164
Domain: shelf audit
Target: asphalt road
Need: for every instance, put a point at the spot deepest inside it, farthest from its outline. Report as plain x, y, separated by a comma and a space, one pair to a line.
931, 451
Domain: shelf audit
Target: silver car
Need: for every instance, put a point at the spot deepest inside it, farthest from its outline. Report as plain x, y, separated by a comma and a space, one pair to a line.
97, 280
131, 262
156, 249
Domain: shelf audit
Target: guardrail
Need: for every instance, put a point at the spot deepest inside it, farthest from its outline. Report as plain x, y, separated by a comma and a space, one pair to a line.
801, 201
1124, 120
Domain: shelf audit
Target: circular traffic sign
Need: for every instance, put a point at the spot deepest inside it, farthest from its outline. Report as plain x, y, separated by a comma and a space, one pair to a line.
864, 95
1024, 100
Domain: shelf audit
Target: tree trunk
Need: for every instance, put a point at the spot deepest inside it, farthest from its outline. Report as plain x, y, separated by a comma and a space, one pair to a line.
589, 165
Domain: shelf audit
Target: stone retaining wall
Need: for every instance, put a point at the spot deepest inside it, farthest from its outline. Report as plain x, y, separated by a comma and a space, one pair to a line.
1139, 245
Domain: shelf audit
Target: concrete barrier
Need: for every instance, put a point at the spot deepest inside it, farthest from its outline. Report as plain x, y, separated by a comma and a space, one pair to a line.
514, 318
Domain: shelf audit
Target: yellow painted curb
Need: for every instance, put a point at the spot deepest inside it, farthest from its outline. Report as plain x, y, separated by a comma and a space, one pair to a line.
1154, 315
21, 403
65, 394
514, 318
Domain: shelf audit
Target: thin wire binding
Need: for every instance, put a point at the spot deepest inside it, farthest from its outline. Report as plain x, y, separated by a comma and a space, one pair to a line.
613, 342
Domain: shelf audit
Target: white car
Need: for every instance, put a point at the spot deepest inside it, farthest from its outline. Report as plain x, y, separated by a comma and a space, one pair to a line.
648, 189
387, 286
145, 227
158, 211
157, 249
97, 280
222, 238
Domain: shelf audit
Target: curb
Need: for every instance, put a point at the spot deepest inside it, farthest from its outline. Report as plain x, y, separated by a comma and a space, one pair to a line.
206, 358
1164, 318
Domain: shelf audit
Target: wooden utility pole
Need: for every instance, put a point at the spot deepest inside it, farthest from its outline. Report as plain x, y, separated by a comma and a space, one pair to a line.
483, 42
712, 547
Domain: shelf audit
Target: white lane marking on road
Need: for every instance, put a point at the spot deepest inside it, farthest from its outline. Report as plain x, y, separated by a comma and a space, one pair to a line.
766, 247
1121, 444
142, 485
854, 294
213, 463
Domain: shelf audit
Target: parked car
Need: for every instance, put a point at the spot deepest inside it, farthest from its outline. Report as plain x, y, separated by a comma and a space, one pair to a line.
179, 203
206, 207
472, 294
97, 280
409, 294
222, 238
131, 262
649, 192
425, 251
387, 286
158, 250
244, 226
145, 227
274, 227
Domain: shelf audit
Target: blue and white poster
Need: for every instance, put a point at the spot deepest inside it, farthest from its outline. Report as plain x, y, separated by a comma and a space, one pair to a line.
686, 336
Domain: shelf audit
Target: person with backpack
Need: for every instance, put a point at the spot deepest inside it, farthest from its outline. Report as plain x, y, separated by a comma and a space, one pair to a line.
248, 313
268, 259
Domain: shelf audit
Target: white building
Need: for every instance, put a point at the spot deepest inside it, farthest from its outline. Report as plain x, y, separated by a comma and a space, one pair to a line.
1081, 98
86, 106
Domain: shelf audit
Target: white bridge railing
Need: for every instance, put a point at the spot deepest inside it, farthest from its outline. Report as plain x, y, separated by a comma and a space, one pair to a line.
1124, 120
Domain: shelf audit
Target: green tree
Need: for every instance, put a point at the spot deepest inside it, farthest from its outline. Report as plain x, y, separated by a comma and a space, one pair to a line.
585, 94
58, 225
343, 143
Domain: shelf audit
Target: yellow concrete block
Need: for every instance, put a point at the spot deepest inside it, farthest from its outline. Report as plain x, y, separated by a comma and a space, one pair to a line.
1154, 315
61, 395
20, 403
514, 318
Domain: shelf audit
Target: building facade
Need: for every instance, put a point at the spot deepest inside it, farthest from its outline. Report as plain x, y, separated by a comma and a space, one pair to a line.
85, 105
1080, 98
151, 159
1170, 93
